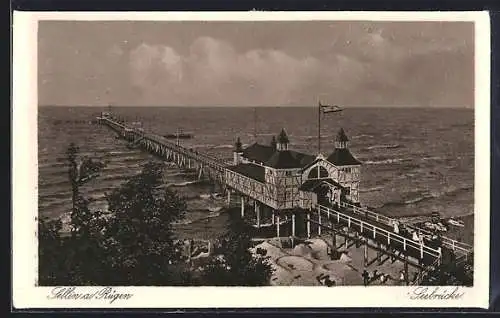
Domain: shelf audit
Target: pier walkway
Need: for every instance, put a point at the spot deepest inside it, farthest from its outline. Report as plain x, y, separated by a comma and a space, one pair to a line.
370, 228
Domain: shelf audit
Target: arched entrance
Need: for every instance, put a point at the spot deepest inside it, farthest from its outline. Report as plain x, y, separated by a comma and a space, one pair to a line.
326, 190
318, 172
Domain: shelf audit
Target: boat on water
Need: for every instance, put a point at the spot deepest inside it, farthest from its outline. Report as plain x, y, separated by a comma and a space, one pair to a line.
455, 222
179, 135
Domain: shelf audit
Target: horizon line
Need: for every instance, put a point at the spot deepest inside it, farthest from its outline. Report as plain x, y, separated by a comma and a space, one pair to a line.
260, 106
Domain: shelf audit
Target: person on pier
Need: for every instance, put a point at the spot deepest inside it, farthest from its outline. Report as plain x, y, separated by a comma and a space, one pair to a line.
415, 236
366, 277
395, 225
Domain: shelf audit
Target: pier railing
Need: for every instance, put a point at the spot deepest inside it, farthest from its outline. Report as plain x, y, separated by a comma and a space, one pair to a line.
450, 243
214, 163
369, 230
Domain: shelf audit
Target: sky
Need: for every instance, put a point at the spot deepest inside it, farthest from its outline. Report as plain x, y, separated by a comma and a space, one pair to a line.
349, 63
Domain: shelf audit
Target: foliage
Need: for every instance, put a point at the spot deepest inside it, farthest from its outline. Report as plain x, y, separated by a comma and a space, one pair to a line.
236, 266
139, 239
133, 243
74, 259
50, 246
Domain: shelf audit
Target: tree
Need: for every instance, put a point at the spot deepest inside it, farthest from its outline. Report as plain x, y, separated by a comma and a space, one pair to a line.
49, 251
77, 259
83, 249
133, 244
236, 265
82, 170
139, 241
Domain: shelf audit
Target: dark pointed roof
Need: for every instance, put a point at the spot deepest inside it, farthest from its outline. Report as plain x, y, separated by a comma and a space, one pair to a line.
269, 156
283, 160
342, 157
283, 137
257, 152
250, 170
341, 136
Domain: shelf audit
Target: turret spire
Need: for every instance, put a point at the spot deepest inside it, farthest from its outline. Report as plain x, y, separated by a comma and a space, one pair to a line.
274, 143
283, 140
238, 146
341, 141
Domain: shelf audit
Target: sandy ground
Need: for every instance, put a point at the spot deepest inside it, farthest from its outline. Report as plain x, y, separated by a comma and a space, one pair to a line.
308, 264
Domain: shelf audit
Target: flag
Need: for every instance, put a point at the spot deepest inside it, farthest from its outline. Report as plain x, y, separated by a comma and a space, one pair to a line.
330, 108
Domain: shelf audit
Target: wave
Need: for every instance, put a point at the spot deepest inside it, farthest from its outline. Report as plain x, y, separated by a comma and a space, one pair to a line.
362, 136
181, 174
203, 216
215, 209
429, 195
201, 146
183, 222
434, 158
374, 189
387, 161
391, 146
224, 147
182, 184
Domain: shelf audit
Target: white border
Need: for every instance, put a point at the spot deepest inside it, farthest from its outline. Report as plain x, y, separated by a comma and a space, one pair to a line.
24, 151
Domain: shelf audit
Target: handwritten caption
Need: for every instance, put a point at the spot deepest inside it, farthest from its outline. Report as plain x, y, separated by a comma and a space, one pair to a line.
82, 293
435, 293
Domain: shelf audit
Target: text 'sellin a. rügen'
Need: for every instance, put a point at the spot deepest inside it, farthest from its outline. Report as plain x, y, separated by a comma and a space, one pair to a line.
72, 293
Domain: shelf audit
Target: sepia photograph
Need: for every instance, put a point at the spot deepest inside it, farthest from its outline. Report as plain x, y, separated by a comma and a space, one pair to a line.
250, 153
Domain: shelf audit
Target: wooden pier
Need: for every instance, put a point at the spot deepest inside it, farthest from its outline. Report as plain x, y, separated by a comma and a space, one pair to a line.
255, 182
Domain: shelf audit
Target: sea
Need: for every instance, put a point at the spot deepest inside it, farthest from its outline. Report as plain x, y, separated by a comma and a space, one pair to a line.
415, 160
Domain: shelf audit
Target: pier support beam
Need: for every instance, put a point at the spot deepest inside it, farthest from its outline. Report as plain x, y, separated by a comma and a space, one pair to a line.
365, 255
257, 212
272, 217
293, 225
242, 199
319, 221
278, 225
406, 276
228, 197
308, 225
379, 254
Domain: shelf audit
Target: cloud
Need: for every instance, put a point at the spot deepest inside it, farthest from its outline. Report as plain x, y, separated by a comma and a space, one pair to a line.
213, 72
373, 69
365, 64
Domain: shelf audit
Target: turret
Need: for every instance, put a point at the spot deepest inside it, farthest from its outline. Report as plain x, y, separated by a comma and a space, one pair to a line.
282, 141
237, 152
341, 142
274, 144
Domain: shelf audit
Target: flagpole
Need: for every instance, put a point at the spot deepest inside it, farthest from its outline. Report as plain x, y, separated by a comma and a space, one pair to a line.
255, 124
319, 128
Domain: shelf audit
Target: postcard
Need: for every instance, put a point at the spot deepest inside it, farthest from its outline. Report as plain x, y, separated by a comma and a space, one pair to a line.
251, 159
